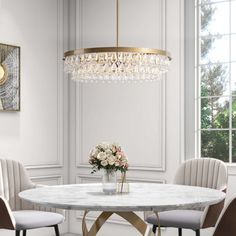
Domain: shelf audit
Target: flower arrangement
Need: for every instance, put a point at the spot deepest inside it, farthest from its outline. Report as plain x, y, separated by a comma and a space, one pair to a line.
108, 156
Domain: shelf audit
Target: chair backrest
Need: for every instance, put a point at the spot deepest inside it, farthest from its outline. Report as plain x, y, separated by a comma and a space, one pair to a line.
203, 172
7, 220
226, 225
13, 179
209, 173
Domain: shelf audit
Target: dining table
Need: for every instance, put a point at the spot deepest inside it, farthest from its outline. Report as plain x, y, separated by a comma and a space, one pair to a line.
142, 197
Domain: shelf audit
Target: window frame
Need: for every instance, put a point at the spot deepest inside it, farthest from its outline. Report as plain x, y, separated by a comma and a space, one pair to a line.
193, 87
191, 108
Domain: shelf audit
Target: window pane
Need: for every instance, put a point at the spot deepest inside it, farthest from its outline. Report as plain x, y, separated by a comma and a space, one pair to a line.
214, 19
233, 146
217, 75
215, 112
233, 78
233, 47
214, 49
233, 16
215, 144
234, 112
214, 80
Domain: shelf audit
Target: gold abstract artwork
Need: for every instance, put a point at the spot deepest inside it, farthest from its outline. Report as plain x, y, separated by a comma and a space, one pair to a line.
9, 78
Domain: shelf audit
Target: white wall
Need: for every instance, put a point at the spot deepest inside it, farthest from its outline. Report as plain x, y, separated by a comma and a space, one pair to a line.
146, 119
37, 135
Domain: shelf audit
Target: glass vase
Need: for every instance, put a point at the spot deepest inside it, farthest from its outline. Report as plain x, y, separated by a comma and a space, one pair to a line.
109, 181
123, 186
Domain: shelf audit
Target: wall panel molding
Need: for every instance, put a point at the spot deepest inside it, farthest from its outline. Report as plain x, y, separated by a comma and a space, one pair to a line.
157, 167
59, 162
182, 151
94, 178
83, 178
57, 178
170, 17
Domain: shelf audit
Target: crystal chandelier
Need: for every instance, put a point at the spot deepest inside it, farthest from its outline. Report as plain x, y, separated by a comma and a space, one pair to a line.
116, 63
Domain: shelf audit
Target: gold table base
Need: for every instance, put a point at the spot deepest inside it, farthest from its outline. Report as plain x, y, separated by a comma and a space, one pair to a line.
131, 217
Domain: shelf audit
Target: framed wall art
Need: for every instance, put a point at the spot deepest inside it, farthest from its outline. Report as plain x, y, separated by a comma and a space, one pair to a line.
9, 78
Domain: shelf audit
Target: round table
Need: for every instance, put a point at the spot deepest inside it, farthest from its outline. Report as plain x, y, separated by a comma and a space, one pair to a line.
142, 197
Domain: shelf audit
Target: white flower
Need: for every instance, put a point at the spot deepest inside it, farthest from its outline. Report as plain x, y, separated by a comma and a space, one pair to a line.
111, 160
104, 163
95, 152
104, 145
102, 156
114, 147
108, 155
124, 160
117, 163
108, 152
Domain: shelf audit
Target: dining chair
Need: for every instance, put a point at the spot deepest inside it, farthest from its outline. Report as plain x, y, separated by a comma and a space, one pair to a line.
14, 213
202, 172
226, 226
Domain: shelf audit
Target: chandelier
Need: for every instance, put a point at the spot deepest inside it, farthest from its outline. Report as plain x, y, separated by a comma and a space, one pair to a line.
116, 63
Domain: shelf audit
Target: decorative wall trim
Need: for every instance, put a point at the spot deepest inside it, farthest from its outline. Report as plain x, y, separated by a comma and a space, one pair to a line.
182, 153
231, 169
190, 107
79, 97
60, 94
93, 215
58, 178
90, 177
50, 166
94, 177
81, 165
162, 34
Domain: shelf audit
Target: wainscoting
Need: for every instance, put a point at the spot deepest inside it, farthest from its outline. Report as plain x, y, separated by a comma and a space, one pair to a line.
145, 119
37, 135
55, 129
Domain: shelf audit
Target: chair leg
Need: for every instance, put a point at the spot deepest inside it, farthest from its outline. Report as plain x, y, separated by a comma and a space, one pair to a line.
24, 232
180, 231
197, 232
56, 230
17, 232
154, 229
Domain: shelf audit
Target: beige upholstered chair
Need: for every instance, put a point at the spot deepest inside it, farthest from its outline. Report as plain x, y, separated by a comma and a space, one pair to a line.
14, 213
203, 172
226, 225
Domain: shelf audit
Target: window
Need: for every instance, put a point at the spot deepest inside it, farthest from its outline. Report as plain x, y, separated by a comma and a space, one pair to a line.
216, 74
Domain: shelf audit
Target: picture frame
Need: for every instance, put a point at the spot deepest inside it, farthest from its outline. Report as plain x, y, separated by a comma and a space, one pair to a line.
9, 77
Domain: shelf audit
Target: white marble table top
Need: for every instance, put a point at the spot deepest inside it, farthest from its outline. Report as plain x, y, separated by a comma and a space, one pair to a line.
142, 197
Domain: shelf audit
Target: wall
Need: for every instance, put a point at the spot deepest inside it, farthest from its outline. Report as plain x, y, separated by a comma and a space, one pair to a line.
146, 119
37, 135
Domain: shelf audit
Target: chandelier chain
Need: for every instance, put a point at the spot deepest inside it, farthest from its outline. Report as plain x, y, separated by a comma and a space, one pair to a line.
117, 23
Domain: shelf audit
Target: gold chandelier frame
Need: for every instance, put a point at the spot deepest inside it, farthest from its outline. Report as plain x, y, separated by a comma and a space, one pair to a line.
72, 58
117, 49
